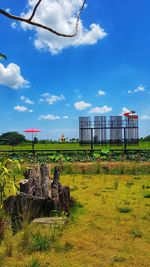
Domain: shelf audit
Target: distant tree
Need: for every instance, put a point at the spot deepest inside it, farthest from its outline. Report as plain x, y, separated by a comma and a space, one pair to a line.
147, 138
73, 140
12, 138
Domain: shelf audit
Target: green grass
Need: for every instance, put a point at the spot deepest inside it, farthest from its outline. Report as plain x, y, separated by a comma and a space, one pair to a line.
72, 146
97, 233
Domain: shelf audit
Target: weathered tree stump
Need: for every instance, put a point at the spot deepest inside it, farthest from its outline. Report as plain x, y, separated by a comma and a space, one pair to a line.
39, 196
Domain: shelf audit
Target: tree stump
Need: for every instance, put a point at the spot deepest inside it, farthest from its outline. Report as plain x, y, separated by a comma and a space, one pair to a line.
39, 196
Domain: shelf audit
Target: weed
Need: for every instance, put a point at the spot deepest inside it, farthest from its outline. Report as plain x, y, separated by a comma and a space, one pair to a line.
88, 176
55, 213
123, 209
8, 248
147, 195
26, 236
33, 263
39, 242
104, 198
63, 248
85, 187
116, 184
136, 233
56, 230
2, 223
98, 169
97, 194
83, 169
105, 169
74, 188
119, 259
129, 183
146, 217
126, 202
109, 188
146, 186
137, 178
67, 169
73, 179
77, 209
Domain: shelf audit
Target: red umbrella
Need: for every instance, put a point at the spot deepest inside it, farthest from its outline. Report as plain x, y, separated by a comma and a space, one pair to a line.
32, 130
131, 115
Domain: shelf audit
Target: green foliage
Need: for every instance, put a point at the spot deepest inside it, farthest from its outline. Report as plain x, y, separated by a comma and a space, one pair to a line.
76, 210
145, 186
11, 138
2, 56
136, 233
147, 138
123, 209
8, 170
147, 195
39, 242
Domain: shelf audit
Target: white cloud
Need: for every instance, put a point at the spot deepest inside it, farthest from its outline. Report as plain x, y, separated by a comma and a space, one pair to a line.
101, 93
26, 100
7, 10
81, 105
104, 109
65, 117
61, 16
22, 109
11, 76
45, 94
140, 88
124, 110
14, 25
145, 117
49, 117
51, 99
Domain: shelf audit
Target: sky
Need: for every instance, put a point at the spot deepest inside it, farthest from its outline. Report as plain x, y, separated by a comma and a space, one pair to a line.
47, 81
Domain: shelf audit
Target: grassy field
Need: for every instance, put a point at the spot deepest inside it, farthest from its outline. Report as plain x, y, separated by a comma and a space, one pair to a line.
108, 227
71, 146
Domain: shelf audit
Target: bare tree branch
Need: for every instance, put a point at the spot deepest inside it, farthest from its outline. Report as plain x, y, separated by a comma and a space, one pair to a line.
31, 22
34, 10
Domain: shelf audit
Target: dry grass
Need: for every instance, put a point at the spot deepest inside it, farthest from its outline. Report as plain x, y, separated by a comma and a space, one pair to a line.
97, 235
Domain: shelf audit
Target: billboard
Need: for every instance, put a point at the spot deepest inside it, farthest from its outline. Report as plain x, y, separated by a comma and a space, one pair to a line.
115, 130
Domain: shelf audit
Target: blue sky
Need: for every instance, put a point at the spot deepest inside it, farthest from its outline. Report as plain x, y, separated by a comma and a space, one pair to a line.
47, 82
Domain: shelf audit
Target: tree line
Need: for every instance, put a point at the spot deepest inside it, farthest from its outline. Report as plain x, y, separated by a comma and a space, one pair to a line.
15, 138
